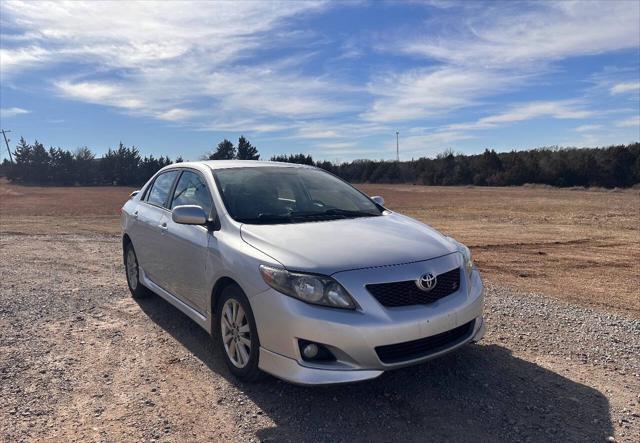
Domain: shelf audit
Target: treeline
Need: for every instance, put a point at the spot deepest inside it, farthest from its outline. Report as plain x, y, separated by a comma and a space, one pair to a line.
35, 164
614, 166
124, 166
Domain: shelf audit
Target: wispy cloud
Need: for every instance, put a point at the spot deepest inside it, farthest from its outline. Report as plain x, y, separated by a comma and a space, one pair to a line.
502, 35
626, 87
567, 109
587, 128
100, 93
421, 93
12, 112
485, 50
630, 122
169, 60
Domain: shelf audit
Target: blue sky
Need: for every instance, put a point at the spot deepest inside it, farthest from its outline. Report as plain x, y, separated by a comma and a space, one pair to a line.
332, 79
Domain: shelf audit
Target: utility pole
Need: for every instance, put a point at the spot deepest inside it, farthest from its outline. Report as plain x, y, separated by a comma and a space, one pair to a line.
397, 146
6, 142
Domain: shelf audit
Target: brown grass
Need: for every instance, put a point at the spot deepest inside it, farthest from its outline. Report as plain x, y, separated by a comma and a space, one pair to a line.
579, 245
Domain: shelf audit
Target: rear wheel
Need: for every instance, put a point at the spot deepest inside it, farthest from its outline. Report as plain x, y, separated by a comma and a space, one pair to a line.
237, 334
133, 273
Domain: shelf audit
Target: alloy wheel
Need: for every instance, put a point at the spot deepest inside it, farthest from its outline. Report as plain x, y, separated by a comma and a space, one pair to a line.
236, 333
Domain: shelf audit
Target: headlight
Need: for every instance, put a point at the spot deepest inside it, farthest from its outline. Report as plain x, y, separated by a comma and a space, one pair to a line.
314, 289
466, 254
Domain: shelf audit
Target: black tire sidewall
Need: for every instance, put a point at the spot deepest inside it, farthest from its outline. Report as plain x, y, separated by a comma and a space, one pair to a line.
140, 291
250, 372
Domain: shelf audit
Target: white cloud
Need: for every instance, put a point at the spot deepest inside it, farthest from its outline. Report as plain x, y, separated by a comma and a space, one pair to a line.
321, 130
566, 109
14, 60
526, 34
100, 93
12, 112
176, 114
174, 61
587, 128
483, 50
423, 93
629, 122
621, 88
338, 146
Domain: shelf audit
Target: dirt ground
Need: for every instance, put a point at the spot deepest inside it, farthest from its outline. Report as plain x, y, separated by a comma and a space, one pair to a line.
80, 360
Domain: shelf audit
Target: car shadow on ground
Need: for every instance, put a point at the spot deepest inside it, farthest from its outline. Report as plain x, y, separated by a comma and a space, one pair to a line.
478, 393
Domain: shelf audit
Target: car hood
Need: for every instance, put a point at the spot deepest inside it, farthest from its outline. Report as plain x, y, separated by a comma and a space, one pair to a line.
328, 247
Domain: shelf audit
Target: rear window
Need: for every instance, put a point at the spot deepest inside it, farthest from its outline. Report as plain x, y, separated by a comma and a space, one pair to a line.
160, 189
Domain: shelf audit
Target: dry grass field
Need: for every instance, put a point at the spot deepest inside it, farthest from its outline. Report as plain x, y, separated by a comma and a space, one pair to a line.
579, 245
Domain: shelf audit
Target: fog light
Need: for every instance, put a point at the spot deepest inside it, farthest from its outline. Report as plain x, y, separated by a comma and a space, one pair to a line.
310, 351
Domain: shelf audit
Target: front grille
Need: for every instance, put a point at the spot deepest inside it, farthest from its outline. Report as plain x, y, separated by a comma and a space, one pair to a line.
406, 293
424, 347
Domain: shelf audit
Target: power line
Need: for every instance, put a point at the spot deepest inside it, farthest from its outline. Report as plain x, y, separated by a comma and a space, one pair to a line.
6, 142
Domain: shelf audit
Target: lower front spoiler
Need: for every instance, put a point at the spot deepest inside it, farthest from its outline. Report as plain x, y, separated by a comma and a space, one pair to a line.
290, 370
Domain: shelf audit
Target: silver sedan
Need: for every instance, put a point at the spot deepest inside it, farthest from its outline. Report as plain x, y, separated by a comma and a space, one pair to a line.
296, 273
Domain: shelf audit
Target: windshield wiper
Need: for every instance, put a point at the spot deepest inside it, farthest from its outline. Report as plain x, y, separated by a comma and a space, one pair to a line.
296, 216
349, 213
331, 213
265, 219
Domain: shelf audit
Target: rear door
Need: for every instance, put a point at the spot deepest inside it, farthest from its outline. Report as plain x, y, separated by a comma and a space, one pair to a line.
152, 215
188, 244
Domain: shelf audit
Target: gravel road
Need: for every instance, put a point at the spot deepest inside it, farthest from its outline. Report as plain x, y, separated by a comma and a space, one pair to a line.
80, 360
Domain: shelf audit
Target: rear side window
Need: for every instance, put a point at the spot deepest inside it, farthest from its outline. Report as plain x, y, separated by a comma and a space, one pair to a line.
192, 190
161, 187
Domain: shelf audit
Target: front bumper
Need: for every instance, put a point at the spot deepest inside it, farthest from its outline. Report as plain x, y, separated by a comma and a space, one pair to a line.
352, 336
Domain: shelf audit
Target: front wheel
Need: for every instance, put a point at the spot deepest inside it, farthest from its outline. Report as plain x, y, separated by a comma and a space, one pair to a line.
237, 334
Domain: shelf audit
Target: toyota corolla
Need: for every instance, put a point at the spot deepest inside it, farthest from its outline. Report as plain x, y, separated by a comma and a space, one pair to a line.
296, 273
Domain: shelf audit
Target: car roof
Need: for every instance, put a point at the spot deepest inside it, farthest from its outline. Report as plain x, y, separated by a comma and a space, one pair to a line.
226, 164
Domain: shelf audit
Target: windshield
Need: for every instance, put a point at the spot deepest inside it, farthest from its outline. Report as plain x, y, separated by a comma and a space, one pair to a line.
270, 195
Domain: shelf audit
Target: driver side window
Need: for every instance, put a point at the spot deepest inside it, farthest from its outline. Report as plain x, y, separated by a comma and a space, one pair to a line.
192, 190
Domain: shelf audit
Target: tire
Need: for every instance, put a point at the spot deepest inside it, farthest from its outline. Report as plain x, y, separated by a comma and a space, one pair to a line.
133, 273
233, 335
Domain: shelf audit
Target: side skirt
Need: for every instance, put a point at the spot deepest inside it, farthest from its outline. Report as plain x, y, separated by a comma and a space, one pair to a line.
202, 321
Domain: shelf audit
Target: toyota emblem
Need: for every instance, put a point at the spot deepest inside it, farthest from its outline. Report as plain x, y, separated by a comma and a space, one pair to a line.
426, 282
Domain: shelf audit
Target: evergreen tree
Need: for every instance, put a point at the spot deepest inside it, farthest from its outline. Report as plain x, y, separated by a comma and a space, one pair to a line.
39, 164
85, 163
301, 159
62, 167
121, 166
225, 151
246, 151
21, 170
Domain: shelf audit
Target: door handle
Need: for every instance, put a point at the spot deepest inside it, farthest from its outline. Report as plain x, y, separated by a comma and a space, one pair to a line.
135, 214
163, 226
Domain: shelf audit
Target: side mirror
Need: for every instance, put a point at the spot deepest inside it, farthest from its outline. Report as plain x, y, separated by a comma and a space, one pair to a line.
134, 193
189, 215
378, 200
